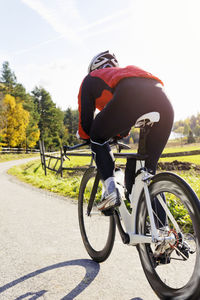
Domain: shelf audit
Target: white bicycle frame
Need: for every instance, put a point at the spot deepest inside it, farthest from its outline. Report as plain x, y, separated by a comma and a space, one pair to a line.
141, 183
129, 218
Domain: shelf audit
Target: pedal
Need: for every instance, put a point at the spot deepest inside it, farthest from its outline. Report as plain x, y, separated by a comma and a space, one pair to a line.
163, 259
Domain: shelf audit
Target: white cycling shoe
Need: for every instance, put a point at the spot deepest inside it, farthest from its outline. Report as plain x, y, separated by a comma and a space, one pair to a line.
109, 200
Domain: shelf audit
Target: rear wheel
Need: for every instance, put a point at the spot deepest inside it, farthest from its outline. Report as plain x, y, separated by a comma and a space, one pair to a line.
172, 269
97, 230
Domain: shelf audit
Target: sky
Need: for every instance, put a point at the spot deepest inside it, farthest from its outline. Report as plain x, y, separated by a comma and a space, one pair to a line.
50, 43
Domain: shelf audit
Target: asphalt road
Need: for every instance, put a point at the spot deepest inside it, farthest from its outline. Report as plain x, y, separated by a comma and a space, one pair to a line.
42, 255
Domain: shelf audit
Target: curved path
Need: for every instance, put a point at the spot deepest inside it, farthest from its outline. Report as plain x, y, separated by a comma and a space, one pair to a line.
42, 255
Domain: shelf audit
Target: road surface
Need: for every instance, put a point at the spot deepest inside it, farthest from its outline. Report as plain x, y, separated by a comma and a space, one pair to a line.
42, 255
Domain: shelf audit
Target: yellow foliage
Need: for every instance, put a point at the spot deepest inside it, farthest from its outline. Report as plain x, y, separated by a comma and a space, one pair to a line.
17, 120
33, 137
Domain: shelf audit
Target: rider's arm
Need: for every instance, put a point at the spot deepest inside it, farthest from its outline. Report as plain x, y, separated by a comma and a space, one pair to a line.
86, 106
94, 93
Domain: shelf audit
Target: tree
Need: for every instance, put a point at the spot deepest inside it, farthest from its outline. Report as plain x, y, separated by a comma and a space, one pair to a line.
179, 130
197, 130
71, 120
50, 118
186, 129
193, 120
16, 121
68, 120
10, 84
32, 135
8, 77
32, 130
71, 125
2, 124
191, 138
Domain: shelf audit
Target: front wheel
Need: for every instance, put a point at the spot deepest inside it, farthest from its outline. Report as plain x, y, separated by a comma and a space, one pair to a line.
172, 269
97, 230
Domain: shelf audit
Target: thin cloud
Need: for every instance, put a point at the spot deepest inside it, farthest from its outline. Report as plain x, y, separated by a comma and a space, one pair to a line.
62, 16
65, 10
106, 19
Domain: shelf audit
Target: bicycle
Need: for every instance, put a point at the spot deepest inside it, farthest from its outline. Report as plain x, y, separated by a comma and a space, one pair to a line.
169, 252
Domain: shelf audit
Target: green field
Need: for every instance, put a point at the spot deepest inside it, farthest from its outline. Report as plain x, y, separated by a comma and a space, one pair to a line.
195, 159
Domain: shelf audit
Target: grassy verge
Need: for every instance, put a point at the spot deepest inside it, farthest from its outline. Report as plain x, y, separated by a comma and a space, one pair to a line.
8, 157
33, 173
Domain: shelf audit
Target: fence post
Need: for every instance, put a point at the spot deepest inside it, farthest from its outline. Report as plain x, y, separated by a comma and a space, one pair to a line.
43, 150
61, 162
42, 155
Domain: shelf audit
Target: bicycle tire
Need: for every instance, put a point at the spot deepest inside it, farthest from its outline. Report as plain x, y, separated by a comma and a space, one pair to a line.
97, 249
183, 282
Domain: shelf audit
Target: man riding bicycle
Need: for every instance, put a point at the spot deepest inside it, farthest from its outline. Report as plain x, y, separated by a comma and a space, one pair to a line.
121, 95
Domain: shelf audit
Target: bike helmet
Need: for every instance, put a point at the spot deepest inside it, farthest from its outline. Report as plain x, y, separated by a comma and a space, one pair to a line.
103, 60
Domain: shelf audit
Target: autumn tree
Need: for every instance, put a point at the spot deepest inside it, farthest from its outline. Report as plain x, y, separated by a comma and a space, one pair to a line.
10, 86
2, 122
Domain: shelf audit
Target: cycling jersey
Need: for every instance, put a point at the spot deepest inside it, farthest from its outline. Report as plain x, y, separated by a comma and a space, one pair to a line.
97, 90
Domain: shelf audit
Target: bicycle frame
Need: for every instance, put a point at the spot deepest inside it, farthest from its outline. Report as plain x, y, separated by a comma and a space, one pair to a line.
129, 219
141, 184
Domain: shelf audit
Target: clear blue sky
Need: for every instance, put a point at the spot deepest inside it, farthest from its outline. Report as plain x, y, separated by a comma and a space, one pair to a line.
50, 43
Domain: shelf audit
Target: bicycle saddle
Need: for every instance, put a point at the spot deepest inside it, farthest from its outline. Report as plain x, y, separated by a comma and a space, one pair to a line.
147, 119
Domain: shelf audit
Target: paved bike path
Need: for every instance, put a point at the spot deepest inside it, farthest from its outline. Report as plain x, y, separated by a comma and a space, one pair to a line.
42, 255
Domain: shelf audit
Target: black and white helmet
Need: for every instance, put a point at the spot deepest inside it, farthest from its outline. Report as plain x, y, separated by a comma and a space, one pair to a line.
103, 60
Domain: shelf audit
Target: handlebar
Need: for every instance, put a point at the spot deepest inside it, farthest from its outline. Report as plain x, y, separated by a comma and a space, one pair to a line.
69, 148
112, 142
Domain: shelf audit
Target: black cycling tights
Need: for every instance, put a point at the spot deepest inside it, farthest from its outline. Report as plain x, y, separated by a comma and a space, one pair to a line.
132, 98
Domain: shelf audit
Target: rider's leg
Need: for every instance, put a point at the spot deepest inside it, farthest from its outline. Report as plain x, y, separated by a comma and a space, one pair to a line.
105, 164
133, 97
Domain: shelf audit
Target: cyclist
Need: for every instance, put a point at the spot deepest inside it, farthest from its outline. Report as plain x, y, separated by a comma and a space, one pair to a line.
121, 95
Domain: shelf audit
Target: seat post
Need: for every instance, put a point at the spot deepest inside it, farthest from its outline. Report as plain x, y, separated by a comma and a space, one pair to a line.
144, 123
142, 140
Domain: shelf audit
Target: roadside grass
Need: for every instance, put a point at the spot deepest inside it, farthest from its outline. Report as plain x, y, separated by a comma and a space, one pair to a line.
33, 173
8, 157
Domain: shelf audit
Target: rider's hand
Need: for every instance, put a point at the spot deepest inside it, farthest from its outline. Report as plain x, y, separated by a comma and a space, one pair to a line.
77, 135
123, 134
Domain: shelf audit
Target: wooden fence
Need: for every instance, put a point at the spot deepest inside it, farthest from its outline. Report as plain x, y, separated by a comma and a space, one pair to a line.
59, 157
5, 150
54, 160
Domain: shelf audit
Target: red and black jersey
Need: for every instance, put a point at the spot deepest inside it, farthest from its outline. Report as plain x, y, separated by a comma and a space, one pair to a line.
97, 90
